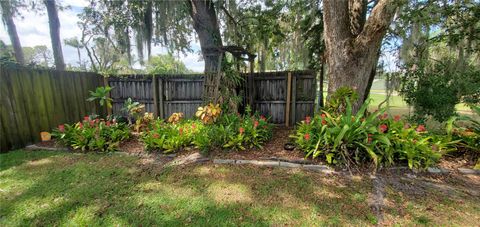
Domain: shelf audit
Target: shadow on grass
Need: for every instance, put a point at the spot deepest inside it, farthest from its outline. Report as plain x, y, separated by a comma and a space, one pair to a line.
116, 190
110, 190
18, 157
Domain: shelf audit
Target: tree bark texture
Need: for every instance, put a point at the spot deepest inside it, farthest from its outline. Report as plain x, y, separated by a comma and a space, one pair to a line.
206, 26
353, 53
7, 16
54, 24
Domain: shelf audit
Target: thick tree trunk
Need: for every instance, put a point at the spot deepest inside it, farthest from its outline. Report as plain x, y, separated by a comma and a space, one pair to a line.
206, 26
351, 57
54, 24
7, 17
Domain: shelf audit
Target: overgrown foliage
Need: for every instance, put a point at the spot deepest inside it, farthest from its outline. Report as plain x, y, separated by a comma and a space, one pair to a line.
92, 134
467, 131
363, 138
229, 131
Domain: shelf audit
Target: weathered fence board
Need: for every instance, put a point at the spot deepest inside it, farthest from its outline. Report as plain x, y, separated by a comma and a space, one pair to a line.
271, 95
183, 93
39, 100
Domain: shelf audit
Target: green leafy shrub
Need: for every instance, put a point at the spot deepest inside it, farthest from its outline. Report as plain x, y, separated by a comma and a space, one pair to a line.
468, 134
357, 139
167, 137
336, 103
230, 131
247, 131
92, 135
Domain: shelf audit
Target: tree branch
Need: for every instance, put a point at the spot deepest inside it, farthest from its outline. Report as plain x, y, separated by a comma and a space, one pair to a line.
378, 22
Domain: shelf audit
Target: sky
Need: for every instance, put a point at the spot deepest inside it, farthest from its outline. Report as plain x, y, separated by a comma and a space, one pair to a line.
33, 30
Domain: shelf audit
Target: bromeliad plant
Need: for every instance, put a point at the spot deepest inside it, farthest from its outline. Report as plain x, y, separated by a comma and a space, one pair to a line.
169, 137
92, 135
467, 133
357, 139
230, 131
245, 131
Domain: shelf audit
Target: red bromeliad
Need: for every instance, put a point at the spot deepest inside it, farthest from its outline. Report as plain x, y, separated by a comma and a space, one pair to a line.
61, 128
255, 124
307, 120
382, 128
307, 136
324, 122
241, 130
421, 128
396, 118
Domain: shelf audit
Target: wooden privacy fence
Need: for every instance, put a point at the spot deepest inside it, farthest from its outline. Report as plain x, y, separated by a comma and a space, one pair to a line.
35, 100
39, 100
275, 95
161, 94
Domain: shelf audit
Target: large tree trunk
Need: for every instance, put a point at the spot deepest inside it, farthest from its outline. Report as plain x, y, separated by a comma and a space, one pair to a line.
205, 24
351, 45
7, 16
54, 24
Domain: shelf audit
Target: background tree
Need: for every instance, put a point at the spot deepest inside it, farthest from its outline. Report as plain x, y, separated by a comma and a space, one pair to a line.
439, 56
38, 56
75, 43
8, 8
54, 24
165, 64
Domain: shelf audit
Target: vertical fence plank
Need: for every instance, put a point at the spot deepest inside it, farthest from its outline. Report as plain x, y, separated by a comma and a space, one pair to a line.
155, 95
38, 100
294, 99
287, 104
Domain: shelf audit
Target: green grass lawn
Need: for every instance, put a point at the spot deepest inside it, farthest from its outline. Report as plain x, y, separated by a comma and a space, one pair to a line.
50, 188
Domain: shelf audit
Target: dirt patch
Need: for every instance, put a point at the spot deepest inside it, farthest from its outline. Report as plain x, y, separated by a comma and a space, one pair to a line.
50, 143
466, 160
273, 149
132, 145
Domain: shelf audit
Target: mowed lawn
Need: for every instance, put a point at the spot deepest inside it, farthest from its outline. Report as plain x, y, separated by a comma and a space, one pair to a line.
59, 188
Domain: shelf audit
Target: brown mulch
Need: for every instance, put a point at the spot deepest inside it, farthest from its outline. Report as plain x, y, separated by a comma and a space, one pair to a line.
456, 162
50, 143
273, 149
132, 145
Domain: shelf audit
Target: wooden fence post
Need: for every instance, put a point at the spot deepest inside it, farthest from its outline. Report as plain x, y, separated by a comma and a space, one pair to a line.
287, 104
250, 86
155, 95
160, 96
294, 99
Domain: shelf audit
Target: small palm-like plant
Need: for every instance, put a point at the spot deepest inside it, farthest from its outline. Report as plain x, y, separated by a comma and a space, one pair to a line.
101, 94
133, 109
